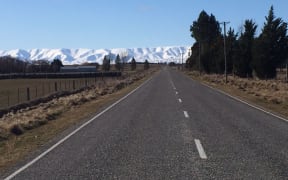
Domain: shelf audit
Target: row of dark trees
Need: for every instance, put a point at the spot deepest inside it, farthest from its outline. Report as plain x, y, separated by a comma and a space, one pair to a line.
10, 64
120, 64
247, 55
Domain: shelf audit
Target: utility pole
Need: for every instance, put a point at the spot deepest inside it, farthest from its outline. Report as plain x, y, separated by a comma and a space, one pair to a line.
199, 58
225, 49
287, 70
182, 60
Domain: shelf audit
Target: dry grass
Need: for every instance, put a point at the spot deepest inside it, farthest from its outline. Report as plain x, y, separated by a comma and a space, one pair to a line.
57, 115
14, 91
269, 94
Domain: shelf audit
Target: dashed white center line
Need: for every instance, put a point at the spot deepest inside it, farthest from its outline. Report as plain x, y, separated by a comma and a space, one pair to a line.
200, 149
173, 85
176, 92
180, 100
186, 114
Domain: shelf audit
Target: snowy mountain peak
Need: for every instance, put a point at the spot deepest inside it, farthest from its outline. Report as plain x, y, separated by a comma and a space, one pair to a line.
80, 56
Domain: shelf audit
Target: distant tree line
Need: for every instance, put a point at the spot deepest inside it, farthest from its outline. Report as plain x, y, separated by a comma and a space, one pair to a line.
10, 64
120, 63
247, 55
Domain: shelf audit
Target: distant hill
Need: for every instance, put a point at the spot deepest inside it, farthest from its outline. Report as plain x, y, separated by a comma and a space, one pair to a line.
79, 56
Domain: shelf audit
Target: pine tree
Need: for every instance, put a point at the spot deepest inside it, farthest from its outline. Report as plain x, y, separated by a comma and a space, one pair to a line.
106, 64
191, 62
271, 47
56, 65
133, 64
206, 28
244, 53
118, 63
207, 33
146, 65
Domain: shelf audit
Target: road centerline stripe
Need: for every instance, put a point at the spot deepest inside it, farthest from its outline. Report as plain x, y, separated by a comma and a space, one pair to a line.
180, 100
173, 85
200, 149
186, 114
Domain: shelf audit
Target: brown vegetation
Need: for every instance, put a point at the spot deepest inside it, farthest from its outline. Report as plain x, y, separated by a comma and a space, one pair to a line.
31, 117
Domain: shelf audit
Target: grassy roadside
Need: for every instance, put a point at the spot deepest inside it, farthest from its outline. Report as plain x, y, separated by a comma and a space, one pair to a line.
16, 148
14, 91
267, 99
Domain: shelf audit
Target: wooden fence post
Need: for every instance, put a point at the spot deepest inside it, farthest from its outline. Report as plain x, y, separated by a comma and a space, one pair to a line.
43, 89
8, 100
28, 94
55, 85
18, 96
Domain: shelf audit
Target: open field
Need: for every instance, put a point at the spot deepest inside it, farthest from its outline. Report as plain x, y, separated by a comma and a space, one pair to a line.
14, 91
269, 94
41, 123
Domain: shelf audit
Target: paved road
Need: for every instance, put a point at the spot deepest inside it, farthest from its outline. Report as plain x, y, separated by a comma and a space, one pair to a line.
172, 128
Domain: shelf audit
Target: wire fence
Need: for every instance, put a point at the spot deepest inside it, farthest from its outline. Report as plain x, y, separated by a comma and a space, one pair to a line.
18, 90
17, 95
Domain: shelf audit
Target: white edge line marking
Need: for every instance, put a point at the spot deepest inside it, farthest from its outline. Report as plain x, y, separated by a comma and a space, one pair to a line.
186, 114
180, 100
244, 102
200, 149
72, 133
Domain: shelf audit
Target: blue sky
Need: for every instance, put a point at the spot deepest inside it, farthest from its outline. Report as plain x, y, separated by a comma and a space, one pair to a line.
27, 24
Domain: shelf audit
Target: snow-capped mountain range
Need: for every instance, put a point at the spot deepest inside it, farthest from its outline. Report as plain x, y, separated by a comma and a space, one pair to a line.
80, 56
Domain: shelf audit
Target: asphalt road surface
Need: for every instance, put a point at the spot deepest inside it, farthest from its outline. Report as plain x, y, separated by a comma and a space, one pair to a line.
171, 128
